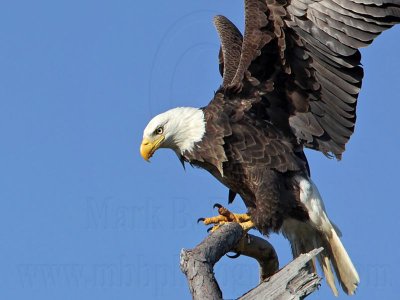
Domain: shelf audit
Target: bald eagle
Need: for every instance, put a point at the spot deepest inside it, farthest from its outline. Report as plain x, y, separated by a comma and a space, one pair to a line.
291, 82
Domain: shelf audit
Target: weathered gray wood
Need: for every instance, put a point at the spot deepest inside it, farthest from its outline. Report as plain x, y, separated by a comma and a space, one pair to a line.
293, 282
262, 251
197, 264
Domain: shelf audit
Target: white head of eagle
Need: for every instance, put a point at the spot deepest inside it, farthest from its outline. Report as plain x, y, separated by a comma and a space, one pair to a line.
178, 129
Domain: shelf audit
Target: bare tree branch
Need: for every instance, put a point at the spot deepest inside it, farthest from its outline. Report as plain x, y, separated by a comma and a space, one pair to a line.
292, 282
262, 251
198, 264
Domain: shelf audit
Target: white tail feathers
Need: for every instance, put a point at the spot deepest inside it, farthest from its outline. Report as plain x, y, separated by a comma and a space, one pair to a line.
320, 232
344, 268
325, 264
304, 237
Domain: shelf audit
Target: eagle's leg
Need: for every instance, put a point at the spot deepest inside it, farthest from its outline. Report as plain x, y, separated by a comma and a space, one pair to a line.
226, 216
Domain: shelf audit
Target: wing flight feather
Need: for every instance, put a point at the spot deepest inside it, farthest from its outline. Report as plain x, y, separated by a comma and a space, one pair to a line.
302, 56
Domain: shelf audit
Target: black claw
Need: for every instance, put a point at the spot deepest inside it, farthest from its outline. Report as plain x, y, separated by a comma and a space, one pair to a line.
200, 220
234, 256
209, 229
217, 205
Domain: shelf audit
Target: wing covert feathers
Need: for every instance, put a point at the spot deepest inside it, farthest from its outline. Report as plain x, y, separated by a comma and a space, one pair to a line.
255, 37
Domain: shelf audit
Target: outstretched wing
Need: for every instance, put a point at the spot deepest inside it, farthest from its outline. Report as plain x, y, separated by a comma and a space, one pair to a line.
302, 57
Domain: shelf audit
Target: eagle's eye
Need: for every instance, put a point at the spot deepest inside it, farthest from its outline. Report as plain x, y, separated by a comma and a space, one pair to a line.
159, 130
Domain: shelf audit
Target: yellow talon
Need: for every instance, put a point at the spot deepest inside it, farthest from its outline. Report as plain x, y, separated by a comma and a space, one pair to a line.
226, 216
243, 217
215, 220
216, 227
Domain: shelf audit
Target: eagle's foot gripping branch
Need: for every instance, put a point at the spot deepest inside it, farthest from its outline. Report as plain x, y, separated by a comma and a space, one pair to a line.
226, 216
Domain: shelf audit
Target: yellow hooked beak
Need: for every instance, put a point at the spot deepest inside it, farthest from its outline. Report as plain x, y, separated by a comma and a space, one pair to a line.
147, 148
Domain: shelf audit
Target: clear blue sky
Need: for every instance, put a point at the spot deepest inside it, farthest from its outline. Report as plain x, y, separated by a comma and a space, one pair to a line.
84, 217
